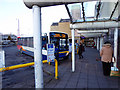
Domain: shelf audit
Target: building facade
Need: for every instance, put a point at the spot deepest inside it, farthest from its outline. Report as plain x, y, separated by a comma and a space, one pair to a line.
64, 26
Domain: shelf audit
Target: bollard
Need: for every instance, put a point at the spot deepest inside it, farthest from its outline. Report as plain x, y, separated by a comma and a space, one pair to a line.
56, 69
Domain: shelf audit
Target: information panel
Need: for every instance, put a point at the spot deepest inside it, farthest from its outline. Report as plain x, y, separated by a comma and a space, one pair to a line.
50, 53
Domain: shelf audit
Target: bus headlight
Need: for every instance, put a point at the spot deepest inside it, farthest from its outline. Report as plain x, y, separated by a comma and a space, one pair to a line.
67, 53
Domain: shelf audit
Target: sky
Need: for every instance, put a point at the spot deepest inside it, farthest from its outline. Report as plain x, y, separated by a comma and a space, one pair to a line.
12, 10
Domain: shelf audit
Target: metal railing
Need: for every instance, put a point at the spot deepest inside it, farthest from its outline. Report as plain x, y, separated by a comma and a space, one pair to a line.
30, 64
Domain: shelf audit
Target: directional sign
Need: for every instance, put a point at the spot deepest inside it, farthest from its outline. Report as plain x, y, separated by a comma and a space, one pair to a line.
50, 53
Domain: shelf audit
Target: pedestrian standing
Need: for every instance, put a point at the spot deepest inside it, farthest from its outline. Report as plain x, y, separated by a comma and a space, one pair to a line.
106, 58
76, 44
80, 50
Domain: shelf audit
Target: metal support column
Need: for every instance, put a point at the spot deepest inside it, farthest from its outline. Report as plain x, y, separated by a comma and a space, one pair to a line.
101, 42
115, 45
37, 47
73, 51
98, 43
18, 31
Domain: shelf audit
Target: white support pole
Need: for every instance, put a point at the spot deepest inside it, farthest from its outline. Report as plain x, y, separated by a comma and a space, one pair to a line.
98, 43
73, 51
115, 45
37, 47
18, 31
101, 42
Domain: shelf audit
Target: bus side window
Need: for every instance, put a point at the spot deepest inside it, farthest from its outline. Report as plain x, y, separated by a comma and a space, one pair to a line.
44, 42
25, 44
31, 42
23, 40
28, 42
20, 41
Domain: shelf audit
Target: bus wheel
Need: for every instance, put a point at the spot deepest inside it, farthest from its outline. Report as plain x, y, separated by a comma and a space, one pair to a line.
21, 50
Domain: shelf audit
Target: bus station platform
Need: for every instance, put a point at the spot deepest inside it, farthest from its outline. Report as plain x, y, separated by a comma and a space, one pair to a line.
88, 73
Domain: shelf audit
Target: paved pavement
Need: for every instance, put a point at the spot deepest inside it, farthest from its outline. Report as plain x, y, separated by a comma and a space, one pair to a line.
88, 72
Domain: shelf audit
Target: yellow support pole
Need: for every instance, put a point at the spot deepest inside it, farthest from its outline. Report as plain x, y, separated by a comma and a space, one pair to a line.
45, 61
56, 69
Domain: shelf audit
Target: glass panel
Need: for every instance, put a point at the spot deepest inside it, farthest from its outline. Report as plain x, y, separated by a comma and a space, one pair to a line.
77, 13
31, 42
28, 42
59, 43
25, 41
63, 44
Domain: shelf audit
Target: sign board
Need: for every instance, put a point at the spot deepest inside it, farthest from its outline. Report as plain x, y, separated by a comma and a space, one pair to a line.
50, 53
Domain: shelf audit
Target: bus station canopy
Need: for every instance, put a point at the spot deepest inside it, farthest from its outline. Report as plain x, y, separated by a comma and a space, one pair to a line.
45, 3
107, 14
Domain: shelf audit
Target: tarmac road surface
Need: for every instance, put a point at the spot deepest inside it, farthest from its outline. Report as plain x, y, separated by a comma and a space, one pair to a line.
22, 77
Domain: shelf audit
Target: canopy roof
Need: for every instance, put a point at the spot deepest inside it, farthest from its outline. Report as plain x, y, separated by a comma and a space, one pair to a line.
45, 3
106, 13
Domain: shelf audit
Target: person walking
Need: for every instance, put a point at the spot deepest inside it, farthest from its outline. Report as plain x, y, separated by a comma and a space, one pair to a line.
80, 50
106, 58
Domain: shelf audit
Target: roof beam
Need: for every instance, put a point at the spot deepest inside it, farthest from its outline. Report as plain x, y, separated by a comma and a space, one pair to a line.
114, 9
98, 10
83, 11
93, 31
92, 35
95, 25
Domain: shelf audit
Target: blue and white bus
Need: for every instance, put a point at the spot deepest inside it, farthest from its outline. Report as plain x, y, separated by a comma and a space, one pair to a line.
59, 39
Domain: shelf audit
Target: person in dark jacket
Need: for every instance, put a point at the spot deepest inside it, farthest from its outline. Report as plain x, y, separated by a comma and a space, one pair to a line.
81, 50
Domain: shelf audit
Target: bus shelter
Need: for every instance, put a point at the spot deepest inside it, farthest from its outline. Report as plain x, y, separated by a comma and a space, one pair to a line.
107, 16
